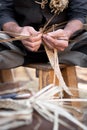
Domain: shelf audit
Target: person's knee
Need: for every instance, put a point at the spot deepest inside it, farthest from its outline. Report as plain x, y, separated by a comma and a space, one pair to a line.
10, 59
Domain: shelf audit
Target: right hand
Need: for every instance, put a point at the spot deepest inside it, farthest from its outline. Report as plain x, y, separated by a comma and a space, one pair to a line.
34, 41
57, 39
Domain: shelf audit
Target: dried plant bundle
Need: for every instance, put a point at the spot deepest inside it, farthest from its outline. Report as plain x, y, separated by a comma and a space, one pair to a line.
58, 6
49, 109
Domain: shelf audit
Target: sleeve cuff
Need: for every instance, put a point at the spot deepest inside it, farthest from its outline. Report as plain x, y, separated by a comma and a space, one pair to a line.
5, 20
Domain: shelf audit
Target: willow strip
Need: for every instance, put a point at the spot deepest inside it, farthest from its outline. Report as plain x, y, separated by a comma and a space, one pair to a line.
44, 107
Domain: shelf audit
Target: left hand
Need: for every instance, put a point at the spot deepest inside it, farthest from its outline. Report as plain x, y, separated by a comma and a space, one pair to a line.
56, 39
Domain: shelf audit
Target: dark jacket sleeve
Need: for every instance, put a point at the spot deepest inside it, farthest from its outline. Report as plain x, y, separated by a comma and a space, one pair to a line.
6, 11
78, 10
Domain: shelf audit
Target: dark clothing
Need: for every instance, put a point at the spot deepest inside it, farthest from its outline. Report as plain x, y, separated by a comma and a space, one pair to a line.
29, 13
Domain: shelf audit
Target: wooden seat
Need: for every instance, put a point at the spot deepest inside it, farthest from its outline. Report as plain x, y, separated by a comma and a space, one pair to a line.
45, 74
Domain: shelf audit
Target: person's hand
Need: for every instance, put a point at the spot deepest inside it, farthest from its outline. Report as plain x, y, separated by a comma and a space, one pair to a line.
34, 41
56, 39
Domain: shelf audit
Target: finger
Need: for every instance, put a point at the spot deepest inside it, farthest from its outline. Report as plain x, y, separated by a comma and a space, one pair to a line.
60, 48
57, 33
63, 43
35, 38
49, 40
51, 47
56, 42
33, 32
46, 42
33, 49
31, 44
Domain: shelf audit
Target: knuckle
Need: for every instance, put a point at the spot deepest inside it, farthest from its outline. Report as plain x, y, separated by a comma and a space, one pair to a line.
61, 49
56, 44
66, 45
32, 45
33, 49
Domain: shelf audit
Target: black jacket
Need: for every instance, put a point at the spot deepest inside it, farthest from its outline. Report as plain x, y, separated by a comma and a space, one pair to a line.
30, 13
27, 12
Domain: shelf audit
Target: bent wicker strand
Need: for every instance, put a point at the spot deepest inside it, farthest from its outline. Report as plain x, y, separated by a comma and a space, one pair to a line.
46, 109
11, 104
13, 124
56, 68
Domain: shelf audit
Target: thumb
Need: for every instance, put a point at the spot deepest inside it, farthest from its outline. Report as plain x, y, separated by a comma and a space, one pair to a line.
57, 33
33, 31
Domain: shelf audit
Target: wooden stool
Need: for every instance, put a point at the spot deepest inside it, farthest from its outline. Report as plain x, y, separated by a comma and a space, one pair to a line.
45, 74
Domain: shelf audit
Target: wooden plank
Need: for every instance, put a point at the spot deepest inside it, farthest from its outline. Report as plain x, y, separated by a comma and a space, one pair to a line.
46, 77
69, 75
6, 76
44, 66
